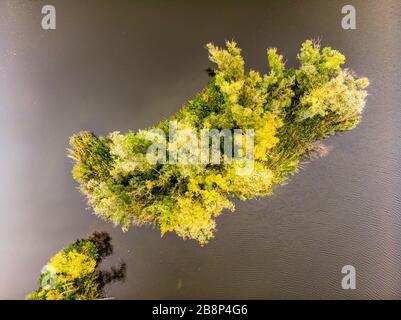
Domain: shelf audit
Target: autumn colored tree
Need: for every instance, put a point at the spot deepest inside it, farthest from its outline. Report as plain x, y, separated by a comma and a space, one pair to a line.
72, 274
288, 109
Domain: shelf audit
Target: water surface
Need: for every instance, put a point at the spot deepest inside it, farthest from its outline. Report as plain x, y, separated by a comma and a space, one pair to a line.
125, 66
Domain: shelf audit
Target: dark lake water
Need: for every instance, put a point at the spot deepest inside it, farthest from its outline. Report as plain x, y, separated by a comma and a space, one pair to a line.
125, 65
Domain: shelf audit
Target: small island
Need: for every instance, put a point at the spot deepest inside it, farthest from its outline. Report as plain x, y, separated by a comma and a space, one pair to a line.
289, 111
72, 274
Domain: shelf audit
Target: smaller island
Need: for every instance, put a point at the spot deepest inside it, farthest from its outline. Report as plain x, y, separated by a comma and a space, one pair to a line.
72, 274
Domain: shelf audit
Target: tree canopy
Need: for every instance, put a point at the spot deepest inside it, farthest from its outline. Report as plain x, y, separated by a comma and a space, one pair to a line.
72, 274
288, 109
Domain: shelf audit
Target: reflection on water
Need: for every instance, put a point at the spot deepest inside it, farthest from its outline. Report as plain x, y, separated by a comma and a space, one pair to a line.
109, 67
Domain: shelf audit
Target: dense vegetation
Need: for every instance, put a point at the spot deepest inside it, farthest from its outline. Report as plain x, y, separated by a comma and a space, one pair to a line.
289, 109
72, 274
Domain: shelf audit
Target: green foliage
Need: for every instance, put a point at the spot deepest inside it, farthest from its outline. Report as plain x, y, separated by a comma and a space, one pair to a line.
72, 273
289, 109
